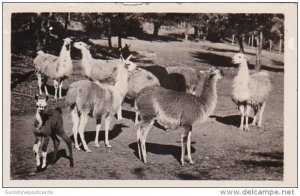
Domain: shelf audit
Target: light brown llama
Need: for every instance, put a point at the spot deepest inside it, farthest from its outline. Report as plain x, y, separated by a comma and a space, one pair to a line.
87, 98
250, 91
175, 110
57, 68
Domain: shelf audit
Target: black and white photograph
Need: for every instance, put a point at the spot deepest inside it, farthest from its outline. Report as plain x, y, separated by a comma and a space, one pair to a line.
160, 93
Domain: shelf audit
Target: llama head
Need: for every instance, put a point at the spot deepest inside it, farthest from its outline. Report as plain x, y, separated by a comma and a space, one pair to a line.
67, 43
41, 102
81, 45
239, 58
216, 73
129, 65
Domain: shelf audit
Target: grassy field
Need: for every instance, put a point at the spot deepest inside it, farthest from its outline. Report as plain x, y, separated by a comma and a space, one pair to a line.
220, 149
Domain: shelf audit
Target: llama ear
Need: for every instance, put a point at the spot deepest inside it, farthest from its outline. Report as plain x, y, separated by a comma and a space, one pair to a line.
247, 58
212, 69
122, 58
128, 58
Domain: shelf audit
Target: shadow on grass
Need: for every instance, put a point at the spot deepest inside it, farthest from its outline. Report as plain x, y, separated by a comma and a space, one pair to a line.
260, 163
161, 149
90, 135
17, 78
160, 38
234, 120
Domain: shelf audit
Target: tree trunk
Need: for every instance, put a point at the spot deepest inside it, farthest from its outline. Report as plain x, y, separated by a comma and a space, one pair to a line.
120, 41
258, 52
240, 40
271, 43
186, 33
109, 35
249, 39
156, 28
67, 20
252, 40
196, 33
280, 45
232, 42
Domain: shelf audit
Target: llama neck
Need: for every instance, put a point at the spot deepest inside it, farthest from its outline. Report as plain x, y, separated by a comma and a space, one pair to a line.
208, 98
243, 73
86, 56
64, 52
38, 117
122, 80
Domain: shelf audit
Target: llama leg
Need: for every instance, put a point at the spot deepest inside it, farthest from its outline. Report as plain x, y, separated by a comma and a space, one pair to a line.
55, 82
255, 115
184, 135
98, 127
144, 133
60, 88
189, 141
138, 134
76, 121
39, 77
136, 121
36, 149
56, 144
37, 144
242, 110
44, 151
68, 141
45, 86
83, 122
261, 113
119, 113
247, 112
106, 127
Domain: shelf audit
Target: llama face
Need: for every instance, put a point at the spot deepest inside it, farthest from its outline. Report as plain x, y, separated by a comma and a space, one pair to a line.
239, 58
67, 43
41, 102
80, 45
130, 66
216, 73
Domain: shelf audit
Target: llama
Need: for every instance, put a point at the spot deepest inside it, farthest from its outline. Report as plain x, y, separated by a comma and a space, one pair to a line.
250, 91
98, 100
57, 68
97, 69
176, 110
190, 75
137, 81
48, 124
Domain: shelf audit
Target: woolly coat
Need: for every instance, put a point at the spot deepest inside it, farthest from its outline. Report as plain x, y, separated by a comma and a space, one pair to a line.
54, 67
190, 75
173, 109
89, 98
138, 80
253, 90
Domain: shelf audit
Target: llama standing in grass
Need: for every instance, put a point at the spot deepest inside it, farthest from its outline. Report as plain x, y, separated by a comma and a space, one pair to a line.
57, 68
250, 91
176, 110
48, 124
97, 100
